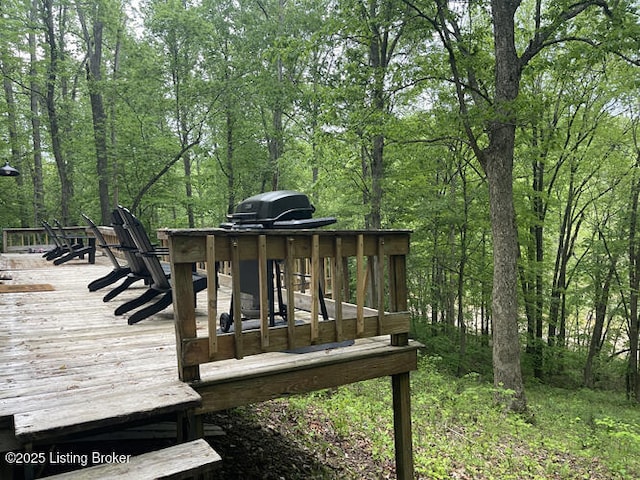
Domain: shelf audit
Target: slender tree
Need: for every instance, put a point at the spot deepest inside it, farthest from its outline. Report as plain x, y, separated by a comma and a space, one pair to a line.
495, 152
35, 94
633, 374
54, 42
92, 33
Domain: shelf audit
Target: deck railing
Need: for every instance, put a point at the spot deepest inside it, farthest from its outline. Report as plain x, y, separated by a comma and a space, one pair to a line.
111, 239
362, 264
31, 239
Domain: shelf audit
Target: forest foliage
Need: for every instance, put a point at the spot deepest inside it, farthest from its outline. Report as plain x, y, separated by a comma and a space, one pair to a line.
180, 109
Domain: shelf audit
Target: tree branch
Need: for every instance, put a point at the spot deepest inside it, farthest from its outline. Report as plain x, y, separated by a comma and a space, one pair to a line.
543, 34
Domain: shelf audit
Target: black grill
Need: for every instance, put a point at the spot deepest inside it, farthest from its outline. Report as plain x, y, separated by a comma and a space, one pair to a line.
281, 209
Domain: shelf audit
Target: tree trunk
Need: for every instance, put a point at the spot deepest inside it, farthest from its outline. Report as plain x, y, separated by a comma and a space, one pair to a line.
497, 162
601, 301
562, 258
633, 380
229, 170
188, 186
462, 325
93, 42
276, 138
14, 141
66, 187
34, 96
114, 186
506, 341
538, 208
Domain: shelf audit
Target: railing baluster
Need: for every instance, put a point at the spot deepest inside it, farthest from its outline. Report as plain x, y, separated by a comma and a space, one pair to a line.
380, 281
337, 282
235, 295
315, 285
288, 276
264, 293
212, 296
361, 284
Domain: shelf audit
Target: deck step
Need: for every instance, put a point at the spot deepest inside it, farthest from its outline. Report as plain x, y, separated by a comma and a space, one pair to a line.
103, 409
194, 459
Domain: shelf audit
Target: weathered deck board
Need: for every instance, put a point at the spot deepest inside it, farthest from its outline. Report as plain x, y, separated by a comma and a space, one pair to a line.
271, 375
69, 364
106, 408
186, 460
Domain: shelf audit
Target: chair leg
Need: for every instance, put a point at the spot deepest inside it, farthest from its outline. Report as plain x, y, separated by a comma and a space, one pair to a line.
108, 279
152, 309
79, 252
128, 281
137, 302
199, 284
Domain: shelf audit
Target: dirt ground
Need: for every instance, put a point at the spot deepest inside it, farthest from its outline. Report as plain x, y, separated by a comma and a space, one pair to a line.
271, 442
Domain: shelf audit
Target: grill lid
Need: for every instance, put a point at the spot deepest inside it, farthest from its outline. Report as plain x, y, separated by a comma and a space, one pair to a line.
277, 209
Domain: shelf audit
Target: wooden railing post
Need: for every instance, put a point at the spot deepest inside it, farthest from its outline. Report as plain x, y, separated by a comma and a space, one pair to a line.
185, 321
401, 382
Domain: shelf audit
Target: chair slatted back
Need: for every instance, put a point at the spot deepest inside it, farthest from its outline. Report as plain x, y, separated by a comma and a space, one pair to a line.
148, 253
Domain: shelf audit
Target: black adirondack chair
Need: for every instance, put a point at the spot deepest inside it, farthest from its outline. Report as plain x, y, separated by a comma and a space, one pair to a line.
161, 281
59, 246
76, 246
128, 247
118, 271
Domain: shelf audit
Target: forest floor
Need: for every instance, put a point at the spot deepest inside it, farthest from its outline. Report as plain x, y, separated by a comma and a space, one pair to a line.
347, 433
267, 444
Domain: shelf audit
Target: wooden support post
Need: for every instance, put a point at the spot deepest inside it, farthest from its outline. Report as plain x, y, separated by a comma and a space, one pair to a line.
402, 426
29, 470
189, 426
401, 382
184, 315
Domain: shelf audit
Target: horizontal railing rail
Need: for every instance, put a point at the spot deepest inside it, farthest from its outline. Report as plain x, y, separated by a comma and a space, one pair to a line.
31, 239
111, 239
367, 271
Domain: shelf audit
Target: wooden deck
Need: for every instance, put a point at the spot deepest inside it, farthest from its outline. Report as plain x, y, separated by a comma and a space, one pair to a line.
69, 364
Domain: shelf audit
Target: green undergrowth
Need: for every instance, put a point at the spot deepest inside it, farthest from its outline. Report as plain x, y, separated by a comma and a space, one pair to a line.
460, 433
